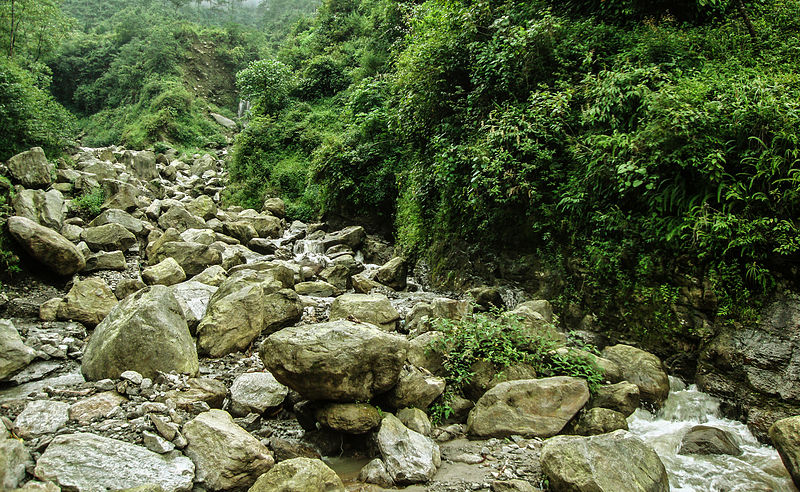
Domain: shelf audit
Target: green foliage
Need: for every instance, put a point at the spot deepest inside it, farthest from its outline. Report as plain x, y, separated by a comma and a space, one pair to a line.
9, 262
266, 83
90, 202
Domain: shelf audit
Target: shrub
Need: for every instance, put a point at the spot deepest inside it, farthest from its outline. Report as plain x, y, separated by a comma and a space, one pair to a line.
90, 202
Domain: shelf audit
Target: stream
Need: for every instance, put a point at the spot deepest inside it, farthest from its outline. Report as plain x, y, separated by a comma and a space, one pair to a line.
758, 468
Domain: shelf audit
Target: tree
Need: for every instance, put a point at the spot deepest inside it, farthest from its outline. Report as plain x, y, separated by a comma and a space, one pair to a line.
266, 84
32, 28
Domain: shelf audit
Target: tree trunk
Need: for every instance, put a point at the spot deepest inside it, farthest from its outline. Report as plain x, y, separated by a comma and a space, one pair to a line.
746, 19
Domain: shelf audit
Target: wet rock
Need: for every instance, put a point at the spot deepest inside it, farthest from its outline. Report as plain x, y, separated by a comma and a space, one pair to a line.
192, 257
14, 459
416, 420
88, 301
375, 472
528, 407
393, 274
108, 237
704, 439
350, 418
375, 309
95, 407
299, 474
317, 289
46, 246
14, 354
618, 461
622, 397
31, 169
409, 456
226, 456
193, 298
87, 462
352, 236
785, 436
145, 332
168, 272
642, 369
415, 388
338, 360
41, 417
102, 260
275, 206
599, 421
255, 392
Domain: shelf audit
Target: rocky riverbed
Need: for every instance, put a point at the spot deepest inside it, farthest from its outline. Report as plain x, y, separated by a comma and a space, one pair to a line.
171, 343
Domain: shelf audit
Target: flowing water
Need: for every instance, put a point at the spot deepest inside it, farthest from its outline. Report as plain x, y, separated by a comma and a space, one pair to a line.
759, 468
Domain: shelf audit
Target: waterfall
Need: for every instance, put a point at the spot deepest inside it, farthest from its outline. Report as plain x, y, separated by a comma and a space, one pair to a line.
244, 108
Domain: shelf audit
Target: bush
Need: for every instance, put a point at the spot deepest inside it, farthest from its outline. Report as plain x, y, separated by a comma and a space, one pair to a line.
90, 202
266, 84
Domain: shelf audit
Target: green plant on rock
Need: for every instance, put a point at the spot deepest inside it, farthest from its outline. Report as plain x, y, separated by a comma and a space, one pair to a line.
90, 202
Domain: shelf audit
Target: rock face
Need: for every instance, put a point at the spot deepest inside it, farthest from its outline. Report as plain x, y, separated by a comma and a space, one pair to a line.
703, 439
88, 301
409, 456
299, 475
615, 462
254, 392
785, 436
31, 168
755, 368
87, 462
46, 246
14, 354
146, 333
528, 407
375, 309
642, 369
226, 456
338, 360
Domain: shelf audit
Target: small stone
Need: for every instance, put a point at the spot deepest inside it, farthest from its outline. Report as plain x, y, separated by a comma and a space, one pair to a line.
132, 376
156, 443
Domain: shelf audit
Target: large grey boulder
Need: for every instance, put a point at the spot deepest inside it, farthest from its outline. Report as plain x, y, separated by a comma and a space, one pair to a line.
141, 164
255, 392
393, 274
193, 298
168, 272
192, 257
181, 219
88, 463
45, 208
615, 462
643, 369
31, 169
785, 436
108, 237
528, 407
14, 459
226, 456
599, 421
299, 475
350, 418
88, 301
704, 439
14, 354
146, 333
352, 236
120, 195
275, 206
121, 217
41, 417
375, 309
46, 246
339, 360
415, 388
409, 456
622, 397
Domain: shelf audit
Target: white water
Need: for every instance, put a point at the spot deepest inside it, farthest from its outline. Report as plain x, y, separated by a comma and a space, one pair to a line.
759, 468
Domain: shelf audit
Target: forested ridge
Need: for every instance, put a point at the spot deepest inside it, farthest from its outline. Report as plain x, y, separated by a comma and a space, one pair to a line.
631, 150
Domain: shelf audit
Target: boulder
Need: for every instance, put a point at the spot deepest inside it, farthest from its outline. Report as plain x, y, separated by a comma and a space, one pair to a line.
225, 122
266, 226
104, 260
179, 218
416, 420
31, 169
615, 462
203, 206
299, 475
487, 298
146, 332
599, 421
241, 230
168, 272
213, 276
193, 298
528, 407
14, 459
123, 196
198, 390
486, 376
642, 369
622, 397
375, 309
339, 360
108, 237
393, 274
87, 462
41, 417
318, 288
45, 208
192, 257
409, 456
375, 472
785, 436
415, 388
88, 301
128, 286
121, 217
46, 246
704, 439
255, 392
95, 407
282, 308
352, 236
350, 418
203, 164
141, 164
226, 456
14, 354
